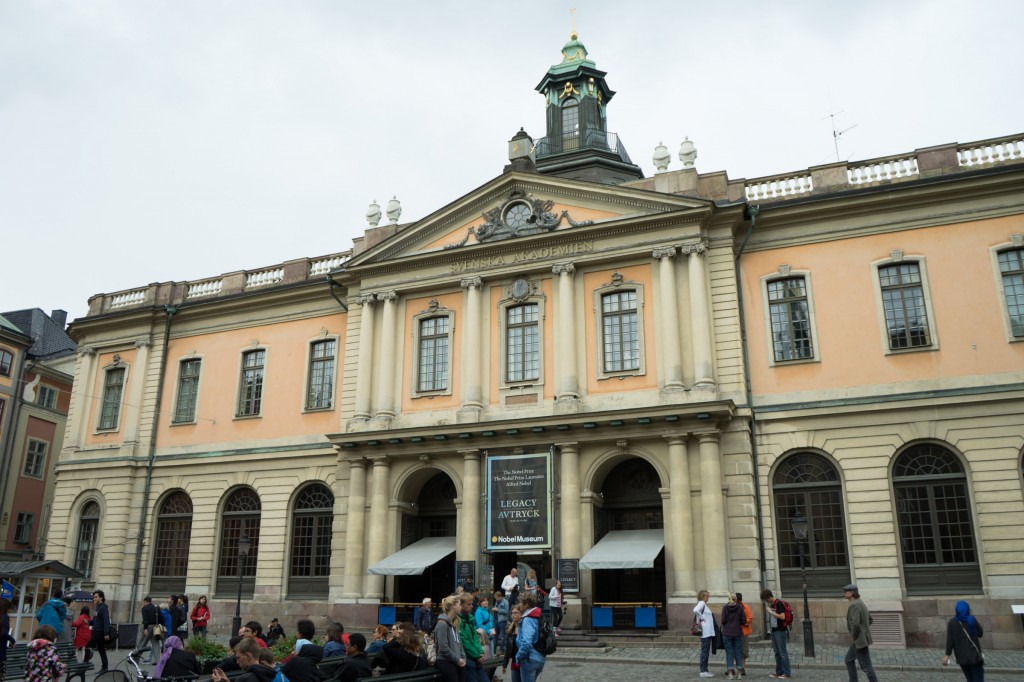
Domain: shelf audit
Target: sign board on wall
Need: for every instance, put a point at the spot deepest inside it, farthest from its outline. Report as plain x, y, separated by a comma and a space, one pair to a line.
465, 574
519, 502
568, 572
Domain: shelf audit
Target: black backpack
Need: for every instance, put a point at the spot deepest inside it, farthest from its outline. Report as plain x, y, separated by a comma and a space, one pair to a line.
546, 643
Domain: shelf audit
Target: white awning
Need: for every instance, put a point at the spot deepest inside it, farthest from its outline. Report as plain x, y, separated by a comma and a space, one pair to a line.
415, 558
625, 549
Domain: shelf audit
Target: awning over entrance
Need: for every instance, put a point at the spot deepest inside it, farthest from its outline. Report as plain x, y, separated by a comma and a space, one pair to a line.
625, 549
415, 558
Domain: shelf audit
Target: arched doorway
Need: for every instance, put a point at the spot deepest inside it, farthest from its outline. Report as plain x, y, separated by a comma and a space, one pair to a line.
433, 515
631, 502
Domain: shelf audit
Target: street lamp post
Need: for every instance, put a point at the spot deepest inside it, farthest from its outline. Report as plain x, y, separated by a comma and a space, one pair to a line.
799, 525
243, 554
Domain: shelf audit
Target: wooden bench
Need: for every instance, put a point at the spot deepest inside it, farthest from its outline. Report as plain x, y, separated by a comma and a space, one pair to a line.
17, 658
427, 675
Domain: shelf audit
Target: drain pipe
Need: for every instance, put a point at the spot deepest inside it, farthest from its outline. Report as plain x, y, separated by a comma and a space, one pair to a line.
762, 560
170, 310
334, 295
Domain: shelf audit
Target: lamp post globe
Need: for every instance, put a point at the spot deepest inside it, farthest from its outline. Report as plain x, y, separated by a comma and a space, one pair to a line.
799, 525
244, 544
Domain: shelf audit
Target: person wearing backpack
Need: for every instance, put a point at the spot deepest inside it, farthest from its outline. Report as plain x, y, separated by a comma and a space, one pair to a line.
531, 660
780, 613
470, 642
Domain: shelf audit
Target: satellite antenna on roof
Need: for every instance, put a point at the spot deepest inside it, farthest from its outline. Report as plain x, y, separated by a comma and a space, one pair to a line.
836, 134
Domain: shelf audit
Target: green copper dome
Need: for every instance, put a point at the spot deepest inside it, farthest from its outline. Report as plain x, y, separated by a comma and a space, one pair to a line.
574, 55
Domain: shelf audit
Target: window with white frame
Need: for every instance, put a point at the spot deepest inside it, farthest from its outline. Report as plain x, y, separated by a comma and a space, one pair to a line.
47, 397
250, 390
433, 353
320, 388
1011, 269
113, 389
620, 331
522, 342
35, 458
88, 533
23, 528
789, 312
903, 304
188, 390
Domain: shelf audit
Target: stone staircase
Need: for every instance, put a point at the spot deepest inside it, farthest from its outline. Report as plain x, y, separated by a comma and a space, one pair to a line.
577, 641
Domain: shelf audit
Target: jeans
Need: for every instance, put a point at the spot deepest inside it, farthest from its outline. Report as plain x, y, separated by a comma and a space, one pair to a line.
705, 653
475, 672
974, 672
780, 640
733, 652
529, 671
556, 616
199, 631
498, 640
855, 656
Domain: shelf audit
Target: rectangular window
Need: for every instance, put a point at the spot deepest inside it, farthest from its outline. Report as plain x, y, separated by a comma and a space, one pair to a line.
906, 320
6, 360
250, 392
621, 332
433, 358
35, 458
188, 391
320, 392
23, 528
1011, 267
47, 397
790, 319
113, 386
522, 343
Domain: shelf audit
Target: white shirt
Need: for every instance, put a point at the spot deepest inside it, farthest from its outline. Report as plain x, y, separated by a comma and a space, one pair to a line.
509, 583
707, 622
555, 598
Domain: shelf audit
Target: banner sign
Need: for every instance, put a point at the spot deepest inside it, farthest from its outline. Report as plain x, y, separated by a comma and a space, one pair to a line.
519, 502
568, 572
465, 574
7, 592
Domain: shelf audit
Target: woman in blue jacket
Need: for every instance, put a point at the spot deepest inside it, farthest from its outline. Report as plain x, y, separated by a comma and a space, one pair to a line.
531, 661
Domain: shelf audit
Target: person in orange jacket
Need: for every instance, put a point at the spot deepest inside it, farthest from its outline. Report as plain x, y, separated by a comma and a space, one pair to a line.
745, 651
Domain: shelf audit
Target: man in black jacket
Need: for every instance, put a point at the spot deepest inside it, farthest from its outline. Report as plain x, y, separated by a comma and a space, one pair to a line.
357, 664
303, 666
247, 654
150, 618
176, 616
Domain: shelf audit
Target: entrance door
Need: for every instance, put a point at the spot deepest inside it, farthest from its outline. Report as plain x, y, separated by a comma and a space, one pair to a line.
435, 518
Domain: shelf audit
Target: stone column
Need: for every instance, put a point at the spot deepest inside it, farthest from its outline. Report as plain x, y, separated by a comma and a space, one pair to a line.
703, 375
355, 568
668, 312
468, 542
80, 403
568, 382
376, 544
712, 502
364, 373
472, 376
681, 542
569, 500
132, 397
387, 361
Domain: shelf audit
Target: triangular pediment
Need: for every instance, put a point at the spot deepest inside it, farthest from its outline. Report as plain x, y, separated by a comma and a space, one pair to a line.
521, 205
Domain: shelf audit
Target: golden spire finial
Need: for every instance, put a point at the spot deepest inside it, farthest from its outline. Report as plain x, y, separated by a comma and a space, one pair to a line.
572, 15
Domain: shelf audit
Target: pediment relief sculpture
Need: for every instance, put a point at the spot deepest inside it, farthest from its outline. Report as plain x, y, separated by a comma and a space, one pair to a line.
518, 216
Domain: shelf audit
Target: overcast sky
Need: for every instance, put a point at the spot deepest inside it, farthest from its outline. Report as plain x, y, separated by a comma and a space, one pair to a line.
174, 140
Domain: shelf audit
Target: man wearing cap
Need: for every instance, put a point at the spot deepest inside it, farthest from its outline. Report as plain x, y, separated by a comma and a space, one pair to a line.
858, 621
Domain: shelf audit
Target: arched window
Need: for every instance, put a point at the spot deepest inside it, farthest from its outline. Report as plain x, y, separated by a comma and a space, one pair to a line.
570, 124
241, 517
173, 534
807, 483
933, 509
312, 523
88, 532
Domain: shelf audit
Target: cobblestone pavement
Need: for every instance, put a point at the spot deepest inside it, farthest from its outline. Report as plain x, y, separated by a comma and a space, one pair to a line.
829, 657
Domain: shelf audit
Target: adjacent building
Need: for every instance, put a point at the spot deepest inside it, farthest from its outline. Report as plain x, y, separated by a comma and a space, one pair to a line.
633, 384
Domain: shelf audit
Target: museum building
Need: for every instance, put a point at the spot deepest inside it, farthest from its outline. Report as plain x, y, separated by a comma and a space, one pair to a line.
644, 386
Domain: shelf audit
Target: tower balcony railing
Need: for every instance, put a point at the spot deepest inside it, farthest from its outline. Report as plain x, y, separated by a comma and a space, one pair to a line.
590, 138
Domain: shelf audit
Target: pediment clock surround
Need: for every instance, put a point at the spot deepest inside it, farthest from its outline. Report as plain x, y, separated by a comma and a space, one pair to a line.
519, 215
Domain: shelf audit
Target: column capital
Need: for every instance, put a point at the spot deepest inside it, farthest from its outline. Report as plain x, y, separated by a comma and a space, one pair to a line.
86, 351
676, 437
366, 299
571, 445
708, 436
356, 462
694, 248
664, 252
471, 283
563, 269
143, 342
378, 460
387, 296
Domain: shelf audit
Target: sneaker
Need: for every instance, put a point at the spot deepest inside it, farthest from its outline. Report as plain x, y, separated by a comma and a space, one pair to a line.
743, 672
707, 674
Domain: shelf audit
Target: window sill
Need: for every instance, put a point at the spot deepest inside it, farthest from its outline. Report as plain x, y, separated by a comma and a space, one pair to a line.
789, 363
621, 375
189, 423
315, 410
34, 478
104, 432
431, 394
243, 417
907, 351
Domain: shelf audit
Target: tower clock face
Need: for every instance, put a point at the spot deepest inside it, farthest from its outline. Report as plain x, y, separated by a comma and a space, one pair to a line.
517, 215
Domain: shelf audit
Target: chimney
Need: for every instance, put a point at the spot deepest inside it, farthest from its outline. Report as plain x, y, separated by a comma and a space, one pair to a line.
60, 317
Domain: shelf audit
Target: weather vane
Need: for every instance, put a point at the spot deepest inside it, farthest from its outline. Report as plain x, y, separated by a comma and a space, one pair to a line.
572, 16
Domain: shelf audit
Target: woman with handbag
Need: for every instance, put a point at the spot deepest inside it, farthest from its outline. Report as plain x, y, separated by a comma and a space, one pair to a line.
704, 625
963, 635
